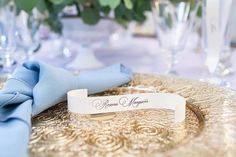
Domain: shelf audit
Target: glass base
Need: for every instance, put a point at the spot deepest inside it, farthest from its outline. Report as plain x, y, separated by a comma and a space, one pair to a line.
225, 69
7, 66
85, 60
172, 72
215, 80
4, 76
225, 66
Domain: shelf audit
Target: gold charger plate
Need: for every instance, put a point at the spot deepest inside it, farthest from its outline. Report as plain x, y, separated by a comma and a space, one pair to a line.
209, 129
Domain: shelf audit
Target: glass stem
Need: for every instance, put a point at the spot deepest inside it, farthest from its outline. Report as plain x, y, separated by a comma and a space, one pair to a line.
216, 79
173, 62
8, 64
29, 55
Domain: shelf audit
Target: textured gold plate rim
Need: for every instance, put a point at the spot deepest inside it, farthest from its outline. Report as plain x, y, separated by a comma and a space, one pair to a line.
199, 115
215, 105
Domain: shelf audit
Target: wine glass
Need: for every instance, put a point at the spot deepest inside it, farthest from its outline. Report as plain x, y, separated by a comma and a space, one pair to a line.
7, 39
173, 21
27, 37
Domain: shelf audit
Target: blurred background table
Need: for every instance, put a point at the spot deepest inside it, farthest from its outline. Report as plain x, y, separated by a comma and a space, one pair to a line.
143, 55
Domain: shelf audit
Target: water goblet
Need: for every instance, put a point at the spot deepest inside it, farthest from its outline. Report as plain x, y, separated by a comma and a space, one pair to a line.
173, 21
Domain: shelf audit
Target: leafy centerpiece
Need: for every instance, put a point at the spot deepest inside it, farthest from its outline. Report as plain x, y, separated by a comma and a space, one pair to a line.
90, 11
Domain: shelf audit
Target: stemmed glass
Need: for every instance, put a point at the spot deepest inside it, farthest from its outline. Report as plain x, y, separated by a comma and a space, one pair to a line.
27, 37
216, 40
86, 39
225, 66
173, 21
7, 39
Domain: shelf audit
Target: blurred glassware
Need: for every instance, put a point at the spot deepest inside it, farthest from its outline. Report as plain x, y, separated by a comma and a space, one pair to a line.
174, 21
63, 50
216, 40
60, 40
28, 38
88, 38
233, 19
7, 39
225, 66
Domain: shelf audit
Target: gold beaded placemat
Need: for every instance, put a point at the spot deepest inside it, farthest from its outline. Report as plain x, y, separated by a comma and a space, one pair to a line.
209, 129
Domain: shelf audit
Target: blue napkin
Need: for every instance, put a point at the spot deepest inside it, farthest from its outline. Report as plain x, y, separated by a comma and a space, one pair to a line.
37, 86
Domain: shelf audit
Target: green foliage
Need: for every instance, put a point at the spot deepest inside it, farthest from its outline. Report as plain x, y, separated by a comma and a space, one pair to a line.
26, 5
90, 16
177, 1
91, 11
3, 3
193, 3
112, 4
56, 2
124, 14
128, 4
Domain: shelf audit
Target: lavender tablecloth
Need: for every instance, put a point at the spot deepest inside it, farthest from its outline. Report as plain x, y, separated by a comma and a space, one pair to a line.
142, 55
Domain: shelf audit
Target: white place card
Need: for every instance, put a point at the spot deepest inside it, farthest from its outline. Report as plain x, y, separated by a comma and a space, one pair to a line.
79, 102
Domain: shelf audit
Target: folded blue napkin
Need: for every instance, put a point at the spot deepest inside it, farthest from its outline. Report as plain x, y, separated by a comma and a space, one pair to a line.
37, 86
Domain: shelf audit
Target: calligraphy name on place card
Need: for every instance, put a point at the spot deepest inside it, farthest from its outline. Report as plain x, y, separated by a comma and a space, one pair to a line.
79, 102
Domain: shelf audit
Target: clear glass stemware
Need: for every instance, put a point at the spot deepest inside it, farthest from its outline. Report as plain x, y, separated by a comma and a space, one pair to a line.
87, 38
225, 66
27, 34
173, 21
7, 39
219, 63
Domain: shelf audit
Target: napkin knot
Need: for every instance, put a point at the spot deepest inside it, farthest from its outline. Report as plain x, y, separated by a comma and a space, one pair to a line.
36, 86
